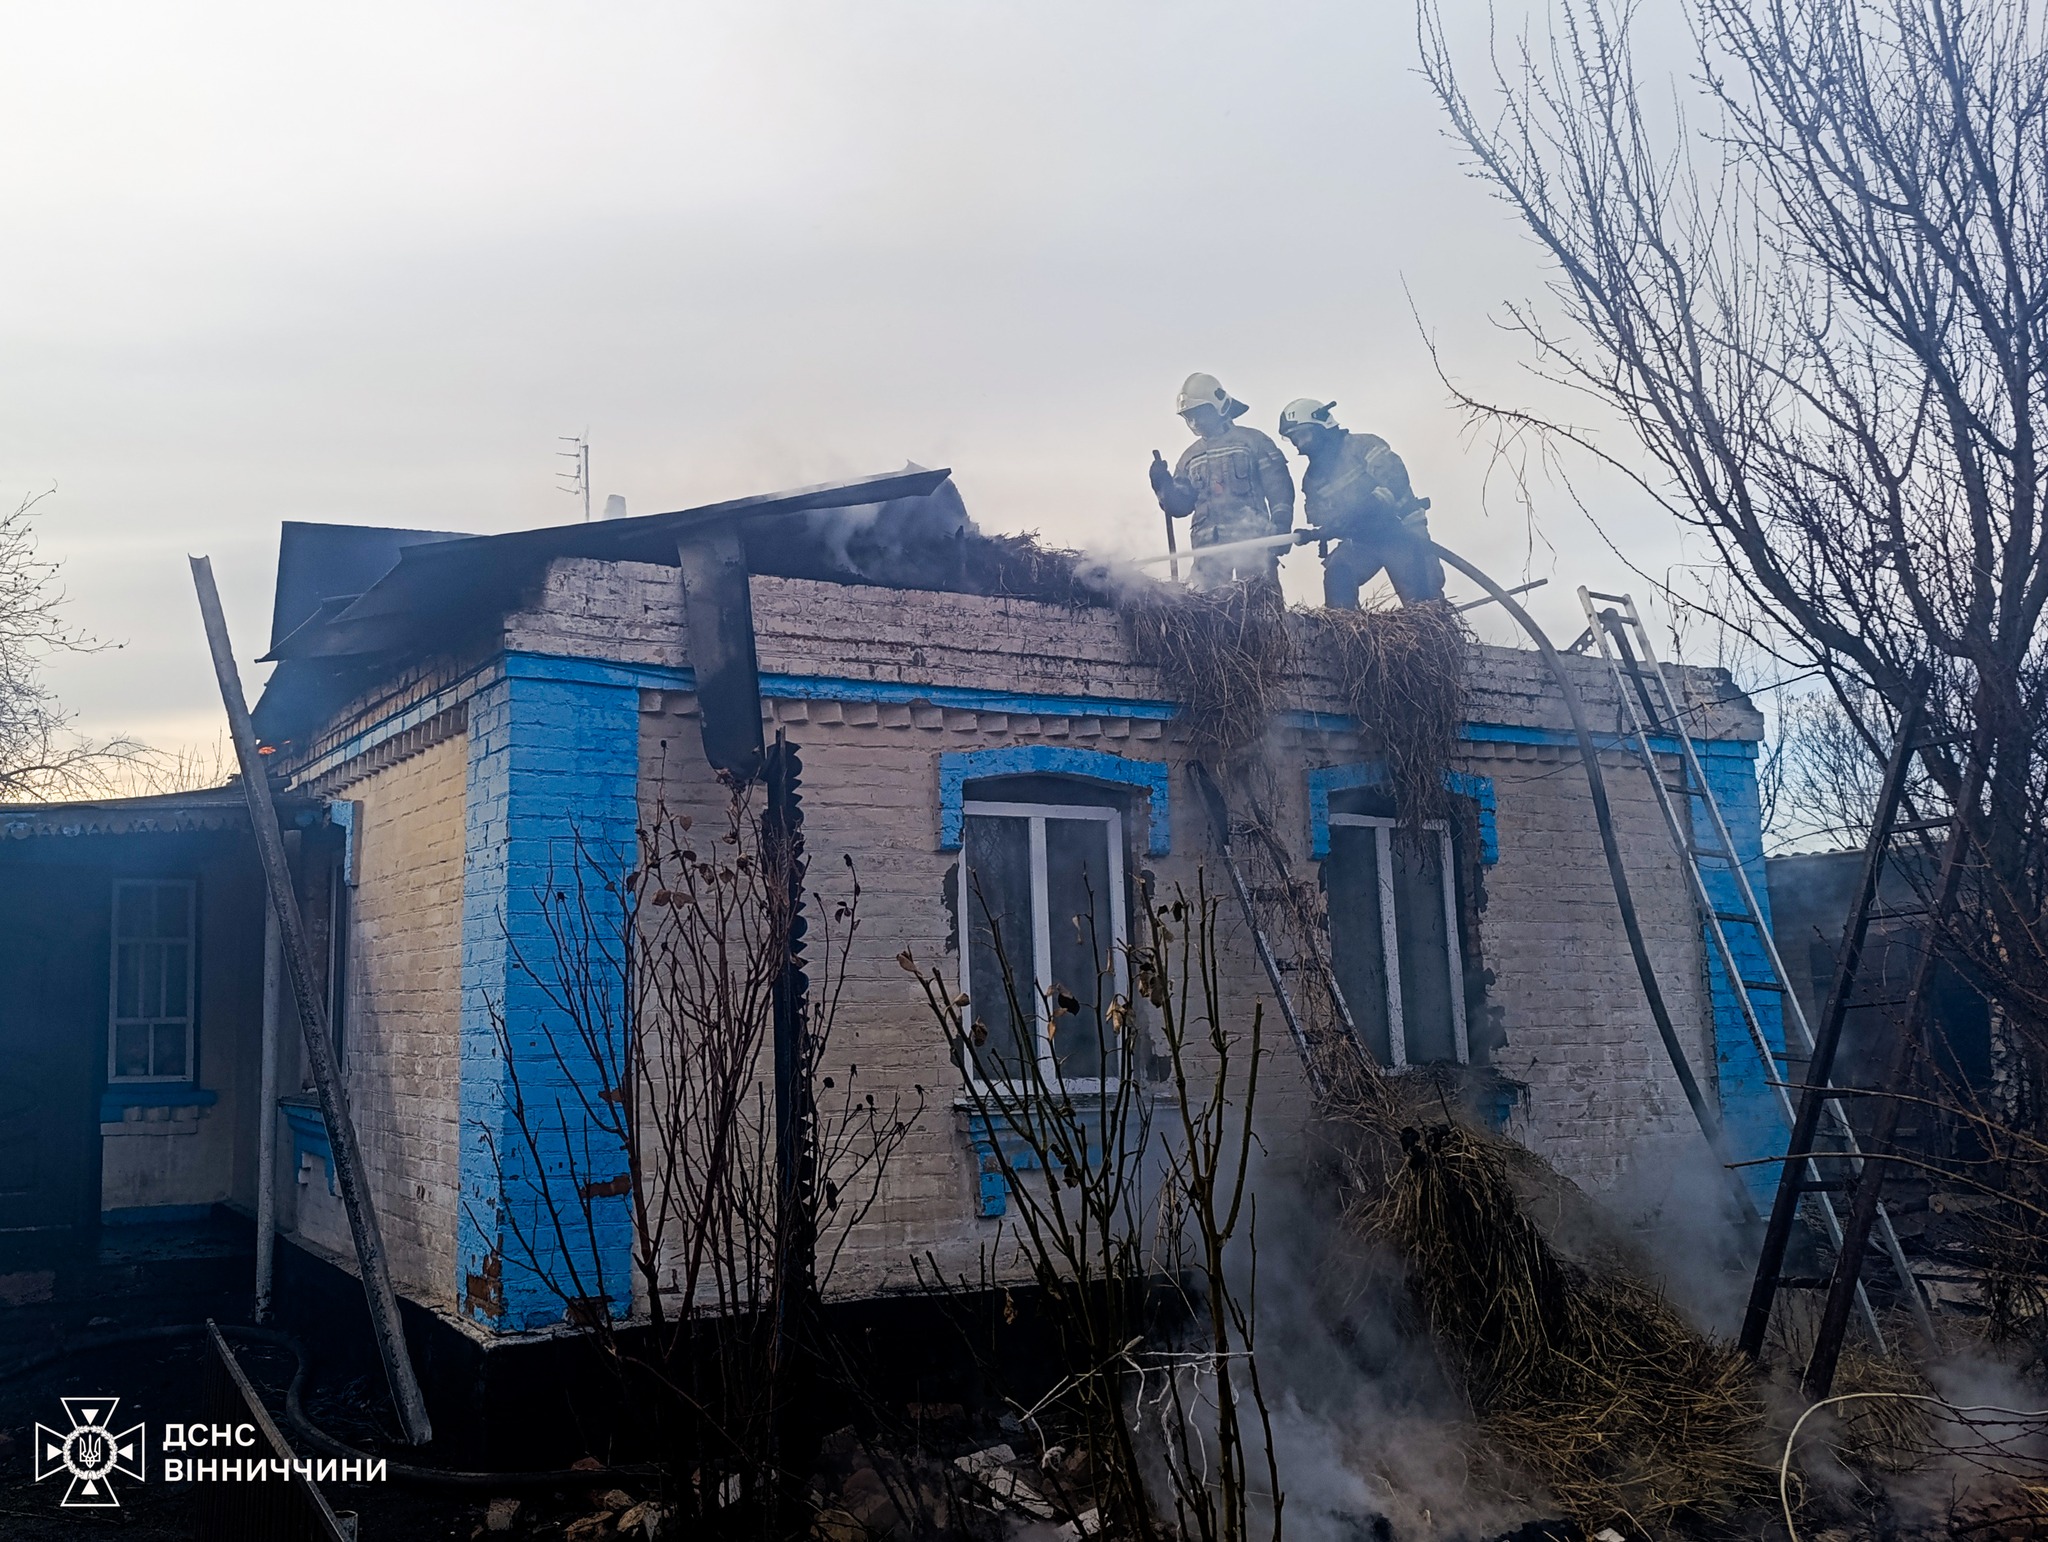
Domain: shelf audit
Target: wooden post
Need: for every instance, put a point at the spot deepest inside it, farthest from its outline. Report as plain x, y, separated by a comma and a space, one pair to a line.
298, 960
1827, 1039
266, 1113
1819, 1379
792, 1368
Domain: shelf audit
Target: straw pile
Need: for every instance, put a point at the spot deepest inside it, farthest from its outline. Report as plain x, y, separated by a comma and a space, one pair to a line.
1225, 654
1585, 1376
1403, 672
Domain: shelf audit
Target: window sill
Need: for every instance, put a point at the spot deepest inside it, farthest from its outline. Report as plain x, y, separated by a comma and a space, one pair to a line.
152, 1102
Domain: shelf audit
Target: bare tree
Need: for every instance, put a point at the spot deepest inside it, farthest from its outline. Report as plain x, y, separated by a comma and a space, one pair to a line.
645, 1082
40, 756
1117, 1218
1823, 324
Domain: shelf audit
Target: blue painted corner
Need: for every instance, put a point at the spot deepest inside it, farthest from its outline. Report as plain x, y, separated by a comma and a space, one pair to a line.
1749, 1105
1373, 773
553, 786
959, 767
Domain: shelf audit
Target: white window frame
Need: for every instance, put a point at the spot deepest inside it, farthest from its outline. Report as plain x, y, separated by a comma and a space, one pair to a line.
1041, 923
1390, 936
191, 1015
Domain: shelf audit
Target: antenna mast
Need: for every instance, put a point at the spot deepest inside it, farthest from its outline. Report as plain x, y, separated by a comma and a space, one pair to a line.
576, 481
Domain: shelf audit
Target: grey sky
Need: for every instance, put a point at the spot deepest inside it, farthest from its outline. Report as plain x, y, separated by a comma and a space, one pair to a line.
367, 262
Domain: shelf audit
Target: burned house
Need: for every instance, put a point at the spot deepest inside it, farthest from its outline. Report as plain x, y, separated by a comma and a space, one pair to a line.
452, 720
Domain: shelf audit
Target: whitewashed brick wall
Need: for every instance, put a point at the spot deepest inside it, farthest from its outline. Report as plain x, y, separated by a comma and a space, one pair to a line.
1600, 1093
404, 997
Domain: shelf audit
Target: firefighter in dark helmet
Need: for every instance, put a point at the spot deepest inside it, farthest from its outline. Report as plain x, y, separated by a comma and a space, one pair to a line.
1356, 489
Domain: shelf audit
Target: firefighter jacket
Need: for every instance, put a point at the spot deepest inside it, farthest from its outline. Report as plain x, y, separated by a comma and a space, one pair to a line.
1358, 487
1236, 485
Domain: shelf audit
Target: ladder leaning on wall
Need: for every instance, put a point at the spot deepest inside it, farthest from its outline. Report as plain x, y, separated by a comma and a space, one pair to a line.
1650, 708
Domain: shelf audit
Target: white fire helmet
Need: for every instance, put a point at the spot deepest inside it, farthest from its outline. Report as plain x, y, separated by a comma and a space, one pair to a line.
1304, 412
1200, 390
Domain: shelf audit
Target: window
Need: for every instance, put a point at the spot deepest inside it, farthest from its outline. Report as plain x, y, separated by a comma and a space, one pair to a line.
1041, 906
149, 1029
1393, 895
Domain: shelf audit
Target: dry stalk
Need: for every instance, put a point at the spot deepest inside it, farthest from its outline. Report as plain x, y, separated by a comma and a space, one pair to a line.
1585, 1377
1224, 655
1403, 670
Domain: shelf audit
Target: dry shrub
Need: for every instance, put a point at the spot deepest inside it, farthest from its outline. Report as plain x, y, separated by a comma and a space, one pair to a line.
1888, 1432
1892, 1432
1402, 670
1224, 654
1585, 1376
1024, 566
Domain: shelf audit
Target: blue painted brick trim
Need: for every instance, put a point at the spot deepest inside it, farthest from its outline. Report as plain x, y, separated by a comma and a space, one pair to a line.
783, 687
308, 1128
959, 767
1749, 1106
553, 757
568, 670
384, 729
1372, 773
120, 1096
996, 1140
1564, 738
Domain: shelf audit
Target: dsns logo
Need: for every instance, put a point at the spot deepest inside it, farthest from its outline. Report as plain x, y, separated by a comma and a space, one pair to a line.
91, 1452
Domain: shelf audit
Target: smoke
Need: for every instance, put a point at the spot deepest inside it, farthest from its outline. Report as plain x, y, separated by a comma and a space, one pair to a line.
1372, 1438
1674, 1204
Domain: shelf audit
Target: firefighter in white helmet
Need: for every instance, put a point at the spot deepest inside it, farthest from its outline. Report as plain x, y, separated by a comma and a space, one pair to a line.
1356, 489
1231, 484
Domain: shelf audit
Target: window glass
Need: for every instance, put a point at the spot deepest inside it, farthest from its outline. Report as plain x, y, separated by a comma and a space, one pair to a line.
173, 905
337, 963
150, 995
131, 1049
149, 958
1082, 934
169, 1059
127, 982
1001, 942
1352, 877
1390, 893
135, 910
1426, 953
1045, 881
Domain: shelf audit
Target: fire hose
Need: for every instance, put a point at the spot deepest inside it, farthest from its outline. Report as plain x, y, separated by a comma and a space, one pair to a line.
1596, 783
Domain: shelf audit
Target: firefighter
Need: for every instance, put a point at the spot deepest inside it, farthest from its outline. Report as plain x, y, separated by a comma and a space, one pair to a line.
1356, 489
1232, 484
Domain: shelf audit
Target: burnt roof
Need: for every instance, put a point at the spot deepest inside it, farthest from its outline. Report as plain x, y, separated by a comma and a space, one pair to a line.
320, 568
354, 602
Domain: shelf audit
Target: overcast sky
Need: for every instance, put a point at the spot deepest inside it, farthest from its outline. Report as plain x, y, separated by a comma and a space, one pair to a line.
366, 263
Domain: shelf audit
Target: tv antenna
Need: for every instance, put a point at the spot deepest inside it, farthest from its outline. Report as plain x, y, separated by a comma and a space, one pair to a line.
576, 481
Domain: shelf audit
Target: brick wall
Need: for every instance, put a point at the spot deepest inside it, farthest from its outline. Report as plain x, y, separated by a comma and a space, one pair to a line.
1601, 1092
875, 685
404, 994
1579, 1034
